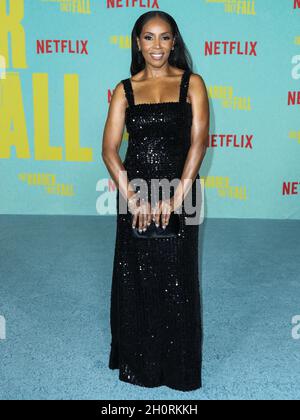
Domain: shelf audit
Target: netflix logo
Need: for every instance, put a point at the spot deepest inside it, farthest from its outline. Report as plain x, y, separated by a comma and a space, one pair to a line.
114, 4
296, 4
243, 141
290, 188
230, 48
58, 46
293, 98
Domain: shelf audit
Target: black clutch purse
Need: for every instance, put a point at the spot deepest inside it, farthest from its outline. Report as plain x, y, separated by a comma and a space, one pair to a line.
171, 230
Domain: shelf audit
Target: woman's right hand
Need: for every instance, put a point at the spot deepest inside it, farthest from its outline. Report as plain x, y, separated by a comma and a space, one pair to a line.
141, 211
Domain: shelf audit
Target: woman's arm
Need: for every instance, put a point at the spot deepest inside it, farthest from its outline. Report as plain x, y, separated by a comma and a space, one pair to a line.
199, 138
112, 138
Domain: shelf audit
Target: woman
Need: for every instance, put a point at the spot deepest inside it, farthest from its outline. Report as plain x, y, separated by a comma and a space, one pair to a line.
155, 298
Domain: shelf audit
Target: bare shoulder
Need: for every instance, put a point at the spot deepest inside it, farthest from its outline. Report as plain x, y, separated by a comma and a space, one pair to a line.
118, 95
119, 90
197, 90
197, 82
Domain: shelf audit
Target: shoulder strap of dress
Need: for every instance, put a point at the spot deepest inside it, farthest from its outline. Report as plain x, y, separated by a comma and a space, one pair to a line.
184, 85
128, 91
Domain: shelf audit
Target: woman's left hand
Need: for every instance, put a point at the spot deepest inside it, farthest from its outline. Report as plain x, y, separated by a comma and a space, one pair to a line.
163, 208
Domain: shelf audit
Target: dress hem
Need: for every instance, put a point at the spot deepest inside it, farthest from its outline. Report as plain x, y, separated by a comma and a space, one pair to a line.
187, 389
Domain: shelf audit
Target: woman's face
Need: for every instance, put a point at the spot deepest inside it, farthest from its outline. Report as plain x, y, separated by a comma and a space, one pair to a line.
156, 42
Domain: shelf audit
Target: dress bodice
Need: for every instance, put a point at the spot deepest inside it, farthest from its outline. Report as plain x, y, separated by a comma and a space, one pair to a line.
159, 133
164, 117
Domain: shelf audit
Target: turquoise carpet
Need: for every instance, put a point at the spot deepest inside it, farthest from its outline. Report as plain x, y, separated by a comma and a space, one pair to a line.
55, 296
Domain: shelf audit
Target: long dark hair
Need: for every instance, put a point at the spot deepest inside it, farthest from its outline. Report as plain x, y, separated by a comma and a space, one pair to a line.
179, 57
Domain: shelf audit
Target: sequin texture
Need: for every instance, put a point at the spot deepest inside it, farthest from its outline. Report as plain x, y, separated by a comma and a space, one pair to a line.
155, 299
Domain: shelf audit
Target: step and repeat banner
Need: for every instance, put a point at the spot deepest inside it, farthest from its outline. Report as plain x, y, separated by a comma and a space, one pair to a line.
61, 59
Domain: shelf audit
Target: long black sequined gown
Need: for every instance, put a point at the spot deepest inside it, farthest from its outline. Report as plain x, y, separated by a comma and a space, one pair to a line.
155, 298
